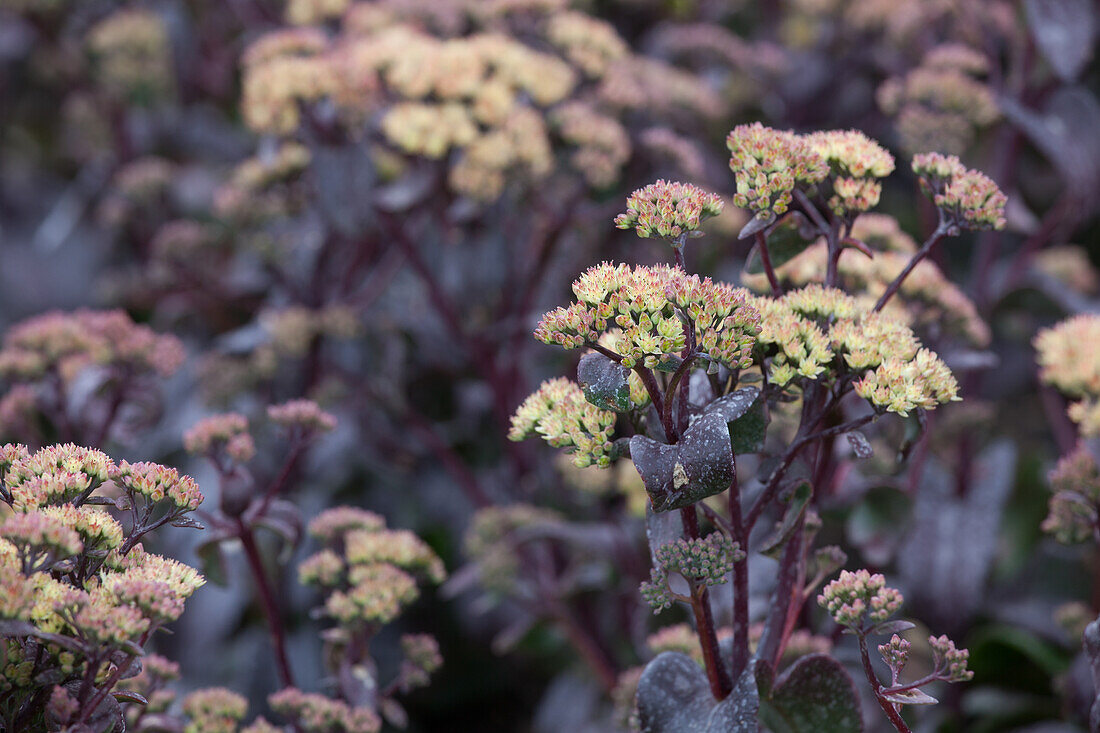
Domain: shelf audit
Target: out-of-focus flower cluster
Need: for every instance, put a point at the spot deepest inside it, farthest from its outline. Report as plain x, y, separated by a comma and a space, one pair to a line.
1075, 497
1069, 360
366, 570
650, 307
667, 210
856, 598
559, 412
819, 331
86, 593
705, 561
487, 99
969, 198
927, 300
132, 55
66, 343
943, 103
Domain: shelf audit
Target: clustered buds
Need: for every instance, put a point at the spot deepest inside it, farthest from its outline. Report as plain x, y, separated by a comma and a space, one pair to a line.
651, 306
1069, 361
1075, 498
706, 561
949, 663
768, 165
859, 597
559, 412
895, 653
668, 210
969, 198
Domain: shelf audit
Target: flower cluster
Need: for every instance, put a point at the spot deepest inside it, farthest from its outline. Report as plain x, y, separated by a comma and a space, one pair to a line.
854, 598
969, 198
88, 594
942, 103
1069, 361
926, 297
653, 308
668, 210
1070, 266
294, 329
155, 483
132, 54
302, 415
706, 561
855, 161
214, 710
900, 385
365, 568
1075, 499
559, 412
314, 713
591, 45
66, 343
768, 165
228, 432
806, 330
602, 143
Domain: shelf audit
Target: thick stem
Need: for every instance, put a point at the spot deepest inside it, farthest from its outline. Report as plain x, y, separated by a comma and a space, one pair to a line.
268, 603
941, 231
717, 674
740, 582
876, 686
766, 261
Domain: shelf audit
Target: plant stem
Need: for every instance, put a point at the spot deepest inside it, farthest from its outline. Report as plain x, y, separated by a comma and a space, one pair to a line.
766, 261
717, 674
268, 603
740, 657
941, 231
887, 707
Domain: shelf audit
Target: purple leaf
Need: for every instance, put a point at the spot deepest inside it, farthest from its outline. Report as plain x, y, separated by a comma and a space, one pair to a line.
815, 694
604, 382
1063, 31
910, 697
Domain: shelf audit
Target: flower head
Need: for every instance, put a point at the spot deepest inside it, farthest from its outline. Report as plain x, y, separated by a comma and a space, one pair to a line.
707, 560
228, 431
855, 597
156, 483
304, 415
968, 197
668, 210
768, 165
559, 412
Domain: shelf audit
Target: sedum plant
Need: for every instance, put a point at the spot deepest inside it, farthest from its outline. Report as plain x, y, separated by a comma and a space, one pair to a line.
711, 390
82, 599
